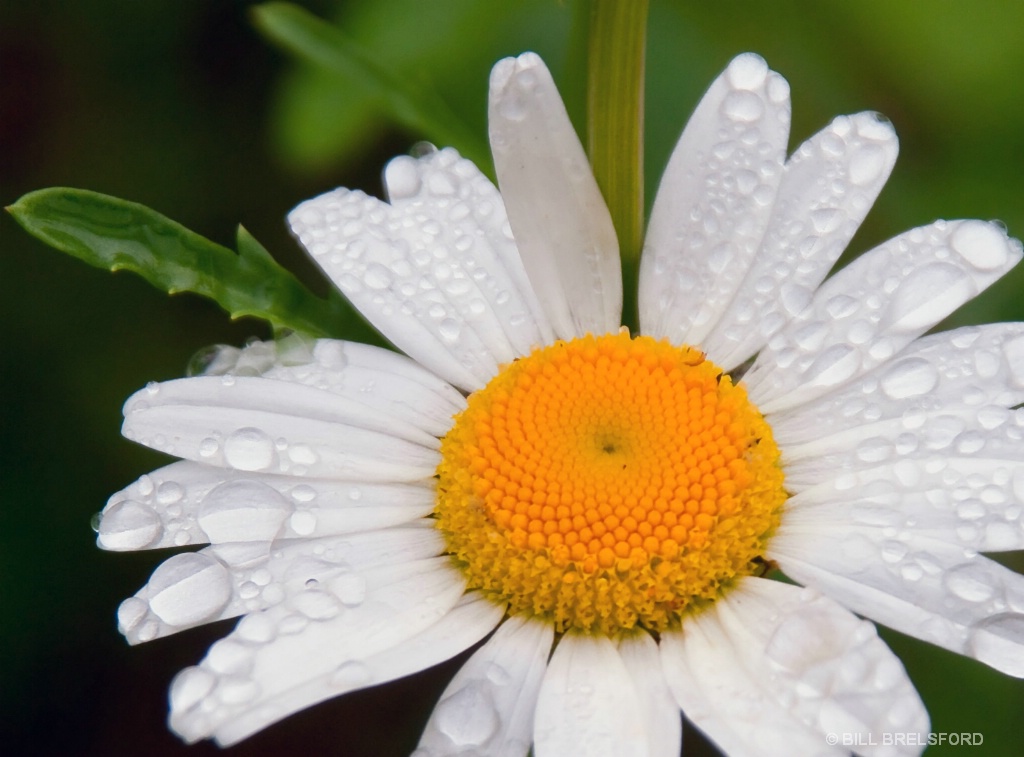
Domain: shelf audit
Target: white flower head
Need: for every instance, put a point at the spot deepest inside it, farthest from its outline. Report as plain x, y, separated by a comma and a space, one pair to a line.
604, 508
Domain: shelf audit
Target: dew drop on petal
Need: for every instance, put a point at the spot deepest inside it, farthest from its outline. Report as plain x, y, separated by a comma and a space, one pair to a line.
970, 581
981, 244
190, 687
129, 525
743, 106
315, 604
1013, 352
257, 627
997, 641
402, 178
924, 297
350, 589
130, 613
468, 717
911, 377
243, 511
866, 164
249, 449
188, 589
747, 71
351, 674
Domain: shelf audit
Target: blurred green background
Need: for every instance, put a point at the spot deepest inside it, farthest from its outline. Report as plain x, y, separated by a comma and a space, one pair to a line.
182, 106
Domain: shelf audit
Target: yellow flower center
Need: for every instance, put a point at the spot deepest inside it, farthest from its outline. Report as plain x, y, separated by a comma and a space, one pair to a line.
608, 483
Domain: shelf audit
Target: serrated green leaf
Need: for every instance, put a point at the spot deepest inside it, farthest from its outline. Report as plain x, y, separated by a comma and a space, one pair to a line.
414, 105
114, 234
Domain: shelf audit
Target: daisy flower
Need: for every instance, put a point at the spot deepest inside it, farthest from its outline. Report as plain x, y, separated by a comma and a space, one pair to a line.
604, 507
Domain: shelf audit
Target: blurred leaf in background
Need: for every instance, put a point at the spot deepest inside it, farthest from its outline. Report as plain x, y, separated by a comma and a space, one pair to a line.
184, 106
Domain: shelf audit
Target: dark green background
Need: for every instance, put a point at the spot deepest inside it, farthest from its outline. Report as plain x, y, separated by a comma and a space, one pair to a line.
180, 105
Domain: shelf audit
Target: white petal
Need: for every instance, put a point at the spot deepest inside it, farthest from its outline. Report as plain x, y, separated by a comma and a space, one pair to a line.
588, 705
384, 381
489, 706
934, 591
468, 622
714, 202
970, 501
453, 191
827, 188
189, 503
866, 313
267, 668
433, 280
664, 722
975, 372
558, 216
259, 424
772, 669
315, 577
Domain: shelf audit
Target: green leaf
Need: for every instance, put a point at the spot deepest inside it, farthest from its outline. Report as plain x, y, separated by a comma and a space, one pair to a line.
115, 234
415, 105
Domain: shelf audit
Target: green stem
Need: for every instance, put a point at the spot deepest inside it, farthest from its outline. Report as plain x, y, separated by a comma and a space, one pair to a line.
615, 106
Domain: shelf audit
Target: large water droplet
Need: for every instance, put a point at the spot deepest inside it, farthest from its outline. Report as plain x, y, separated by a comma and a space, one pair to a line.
189, 589
911, 377
129, 525
997, 641
866, 164
350, 589
190, 687
315, 604
402, 178
468, 717
743, 106
747, 71
981, 244
243, 511
927, 295
971, 581
249, 449
834, 365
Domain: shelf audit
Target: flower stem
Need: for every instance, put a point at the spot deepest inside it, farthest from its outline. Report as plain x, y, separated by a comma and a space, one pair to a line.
615, 106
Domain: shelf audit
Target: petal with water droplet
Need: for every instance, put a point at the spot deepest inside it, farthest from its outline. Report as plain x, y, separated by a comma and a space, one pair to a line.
558, 216
498, 685
772, 668
277, 427
934, 591
661, 713
714, 202
902, 288
300, 665
817, 211
588, 705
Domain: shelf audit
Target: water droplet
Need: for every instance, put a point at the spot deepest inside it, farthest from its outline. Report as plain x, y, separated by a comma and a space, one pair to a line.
377, 277
971, 581
449, 329
190, 687
1013, 352
229, 657
866, 164
303, 523
910, 377
249, 449
189, 589
237, 692
208, 447
257, 627
834, 365
927, 295
129, 525
402, 178
315, 604
981, 244
468, 717
243, 511
997, 640
169, 492
351, 675
350, 589
743, 106
747, 71
130, 613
